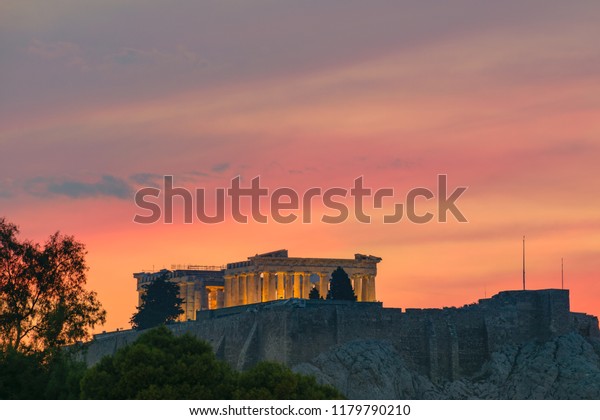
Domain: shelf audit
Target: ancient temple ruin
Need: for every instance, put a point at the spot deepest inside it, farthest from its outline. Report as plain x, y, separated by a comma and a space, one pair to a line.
275, 275
263, 278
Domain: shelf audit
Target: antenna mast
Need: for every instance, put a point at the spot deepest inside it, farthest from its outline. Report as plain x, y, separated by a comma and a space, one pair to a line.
523, 262
562, 274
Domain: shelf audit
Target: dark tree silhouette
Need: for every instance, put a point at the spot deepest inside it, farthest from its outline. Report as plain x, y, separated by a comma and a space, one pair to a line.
40, 376
160, 304
273, 381
314, 293
340, 287
43, 301
159, 365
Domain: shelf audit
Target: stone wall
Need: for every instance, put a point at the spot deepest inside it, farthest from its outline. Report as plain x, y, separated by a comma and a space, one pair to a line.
444, 343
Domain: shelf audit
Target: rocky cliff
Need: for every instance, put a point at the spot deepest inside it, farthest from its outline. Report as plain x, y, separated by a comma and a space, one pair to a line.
564, 367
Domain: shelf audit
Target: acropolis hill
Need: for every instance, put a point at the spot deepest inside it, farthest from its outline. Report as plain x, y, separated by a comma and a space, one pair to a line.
440, 344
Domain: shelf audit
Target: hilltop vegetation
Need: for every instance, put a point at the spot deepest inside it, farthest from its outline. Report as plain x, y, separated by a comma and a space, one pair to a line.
156, 366
161, 366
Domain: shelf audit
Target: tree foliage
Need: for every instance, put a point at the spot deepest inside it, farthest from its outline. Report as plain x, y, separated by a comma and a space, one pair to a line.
314, 293
161, 366
43, 302
160, 304
273, 381
39, 376
340, 287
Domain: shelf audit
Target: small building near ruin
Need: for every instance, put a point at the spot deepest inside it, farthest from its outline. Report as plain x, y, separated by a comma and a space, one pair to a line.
200, 287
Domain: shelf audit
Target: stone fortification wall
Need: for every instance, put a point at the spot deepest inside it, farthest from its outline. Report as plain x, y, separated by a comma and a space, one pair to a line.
444, 343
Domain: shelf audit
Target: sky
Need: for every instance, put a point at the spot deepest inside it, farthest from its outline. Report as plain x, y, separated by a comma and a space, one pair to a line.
100, 99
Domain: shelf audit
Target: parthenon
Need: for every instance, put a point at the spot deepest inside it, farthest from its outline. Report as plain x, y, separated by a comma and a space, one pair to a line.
262, 278
274, 275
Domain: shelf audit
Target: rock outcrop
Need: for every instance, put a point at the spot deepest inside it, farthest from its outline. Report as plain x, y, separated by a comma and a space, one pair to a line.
516, 344
564, 367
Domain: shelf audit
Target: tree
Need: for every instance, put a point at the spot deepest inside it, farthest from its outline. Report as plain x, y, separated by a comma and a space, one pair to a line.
273, 381
314, 294
340, 287
160, 304
43, 302
21, 375
25, 376
159, 365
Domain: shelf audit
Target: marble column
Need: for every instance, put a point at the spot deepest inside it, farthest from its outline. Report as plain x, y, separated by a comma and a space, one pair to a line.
227, 291
243, 289
257, 287
204, 297
205, 294
191, 304
297, 285
220, 299
235, 289
250, 288
306, 286
371, 287
288, 281
272, 286
323, 284
280, 285
264, 281
357, 285
269, 286
199, 290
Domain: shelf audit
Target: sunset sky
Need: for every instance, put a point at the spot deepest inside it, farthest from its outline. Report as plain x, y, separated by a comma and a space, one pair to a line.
101, 98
